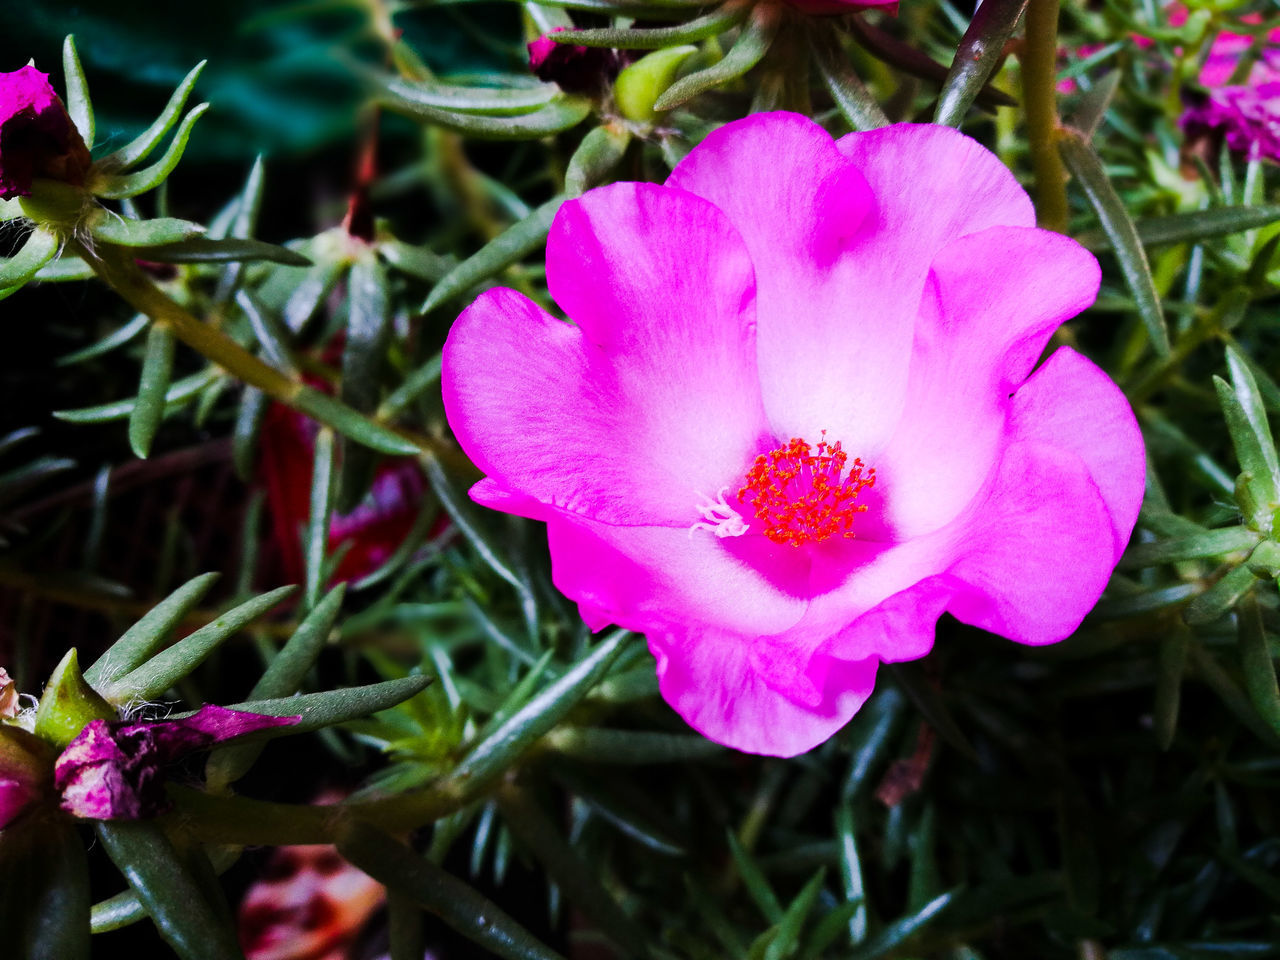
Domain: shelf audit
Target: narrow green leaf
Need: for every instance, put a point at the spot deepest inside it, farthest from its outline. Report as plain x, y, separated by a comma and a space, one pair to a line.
316, 539
886, 47
112, 228
981, 48
66, 268
168, 891
1256, 663
827, 930
851, 871
245, 434
249, 205
1087, 167
368, 328
116, 913
417, 262
319, 710
748, 50
108, 343
511, 246
1221, 597
1197, 546
869, 738
155, 676
458, 905
1194, 227
600, 151
555, 117
894, 934
408, 938
599, 745
341, 418
153, 388
492, 101
274, 337
1255, 411
39, 249
141, 145
692, 31
79, 107
211, 250
1093, 106
792, 924
117, 186
178, 393
1256, 454
753, 879
459, 509
500, 749
1171, 665
1206, 667
289, 667
282, 678
139, 641
309, 292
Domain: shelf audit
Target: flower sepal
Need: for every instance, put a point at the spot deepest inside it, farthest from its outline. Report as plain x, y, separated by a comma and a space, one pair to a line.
68, 704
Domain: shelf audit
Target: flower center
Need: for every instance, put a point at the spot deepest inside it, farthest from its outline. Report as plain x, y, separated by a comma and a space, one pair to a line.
802, 495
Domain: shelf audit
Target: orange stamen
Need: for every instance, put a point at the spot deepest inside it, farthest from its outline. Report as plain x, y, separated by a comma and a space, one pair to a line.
802, 496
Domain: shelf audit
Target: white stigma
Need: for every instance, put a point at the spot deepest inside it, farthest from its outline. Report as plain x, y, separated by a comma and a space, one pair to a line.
718, 517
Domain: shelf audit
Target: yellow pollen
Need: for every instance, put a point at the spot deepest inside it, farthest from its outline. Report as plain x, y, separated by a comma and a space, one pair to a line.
801, 496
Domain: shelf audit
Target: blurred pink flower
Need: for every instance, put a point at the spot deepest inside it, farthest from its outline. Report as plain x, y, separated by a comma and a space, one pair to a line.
1247, 114
115, 770
37, 137
750, 341
309, 904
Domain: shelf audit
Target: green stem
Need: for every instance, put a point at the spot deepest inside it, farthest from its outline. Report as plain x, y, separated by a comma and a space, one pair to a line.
1039, 67
123, 275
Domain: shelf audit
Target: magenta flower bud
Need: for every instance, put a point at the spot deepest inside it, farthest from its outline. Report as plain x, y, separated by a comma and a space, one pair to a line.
1247, 117
37, 137
577, 69
115, 771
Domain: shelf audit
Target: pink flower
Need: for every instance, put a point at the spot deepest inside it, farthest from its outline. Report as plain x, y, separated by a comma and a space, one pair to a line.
750, 341
37, 138
115, 771
1247, 115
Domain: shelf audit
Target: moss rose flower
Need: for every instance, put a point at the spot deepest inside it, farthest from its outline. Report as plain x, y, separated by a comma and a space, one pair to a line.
795, 418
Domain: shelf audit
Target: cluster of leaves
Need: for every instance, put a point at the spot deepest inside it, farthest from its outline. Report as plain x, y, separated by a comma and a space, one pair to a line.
1110, 797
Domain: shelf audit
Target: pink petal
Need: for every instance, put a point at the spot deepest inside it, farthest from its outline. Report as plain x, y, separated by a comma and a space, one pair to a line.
992, 302
1071, 404
708, 678
643, 578
651, 401
802, 209
1038, 551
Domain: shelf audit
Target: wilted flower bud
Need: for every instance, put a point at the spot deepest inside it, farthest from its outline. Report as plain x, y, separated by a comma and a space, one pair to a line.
8, 695
577, 69
37, 137
114, 771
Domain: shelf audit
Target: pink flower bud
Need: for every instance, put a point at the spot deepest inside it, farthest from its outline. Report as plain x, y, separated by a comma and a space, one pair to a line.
577, 69
37, 137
